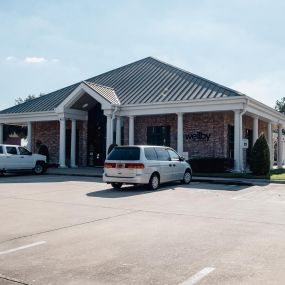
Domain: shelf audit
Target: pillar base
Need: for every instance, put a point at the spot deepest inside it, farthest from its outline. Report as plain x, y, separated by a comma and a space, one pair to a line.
62, 166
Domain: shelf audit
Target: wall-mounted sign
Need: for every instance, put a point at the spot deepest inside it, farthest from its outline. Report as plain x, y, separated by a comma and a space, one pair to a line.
199, 136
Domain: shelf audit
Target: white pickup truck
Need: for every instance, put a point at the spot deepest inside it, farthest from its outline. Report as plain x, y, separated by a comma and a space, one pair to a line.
14, 158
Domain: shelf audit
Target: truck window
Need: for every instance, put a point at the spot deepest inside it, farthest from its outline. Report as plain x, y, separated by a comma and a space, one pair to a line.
11, 150
23, 151
1, 149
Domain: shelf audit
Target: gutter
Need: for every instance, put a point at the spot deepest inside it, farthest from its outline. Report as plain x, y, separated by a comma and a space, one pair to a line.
241, 135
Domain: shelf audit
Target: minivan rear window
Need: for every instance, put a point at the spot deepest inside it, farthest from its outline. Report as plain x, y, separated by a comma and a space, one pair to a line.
124, 153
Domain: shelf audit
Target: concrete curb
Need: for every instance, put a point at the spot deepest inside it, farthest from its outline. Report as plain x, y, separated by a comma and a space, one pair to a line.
227, 181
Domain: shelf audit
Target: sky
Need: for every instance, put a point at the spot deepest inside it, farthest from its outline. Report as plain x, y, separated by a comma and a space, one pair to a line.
47, 45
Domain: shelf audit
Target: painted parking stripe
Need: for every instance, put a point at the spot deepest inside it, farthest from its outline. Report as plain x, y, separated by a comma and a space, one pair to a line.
198, 276
22, 247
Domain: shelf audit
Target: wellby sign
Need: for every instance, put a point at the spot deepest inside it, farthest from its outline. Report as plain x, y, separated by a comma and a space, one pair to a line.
199, 136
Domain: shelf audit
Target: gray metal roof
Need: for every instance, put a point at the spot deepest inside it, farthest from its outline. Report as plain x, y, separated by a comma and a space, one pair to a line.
145, 81
106, 92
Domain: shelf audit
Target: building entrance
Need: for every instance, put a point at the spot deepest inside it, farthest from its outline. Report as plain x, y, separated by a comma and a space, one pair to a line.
96, 140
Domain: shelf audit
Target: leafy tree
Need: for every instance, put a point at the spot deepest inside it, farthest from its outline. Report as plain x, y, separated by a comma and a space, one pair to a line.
30, 97
280, 105
11, 129
260, 157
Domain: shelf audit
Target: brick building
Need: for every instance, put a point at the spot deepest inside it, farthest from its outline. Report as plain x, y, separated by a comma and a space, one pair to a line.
145, 102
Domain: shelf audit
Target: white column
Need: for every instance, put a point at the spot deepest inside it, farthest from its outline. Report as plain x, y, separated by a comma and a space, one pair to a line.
237, 140
269, 141
1, 133
62, 135
255, 130
109, 132
241, 149
118, 130
180, 133
131, 130
280, 148
73, 144
29, 136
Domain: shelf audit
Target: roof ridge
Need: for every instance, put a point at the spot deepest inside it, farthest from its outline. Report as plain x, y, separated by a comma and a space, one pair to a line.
197, 76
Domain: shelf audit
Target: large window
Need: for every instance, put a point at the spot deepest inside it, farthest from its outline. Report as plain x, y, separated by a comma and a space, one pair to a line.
158, 135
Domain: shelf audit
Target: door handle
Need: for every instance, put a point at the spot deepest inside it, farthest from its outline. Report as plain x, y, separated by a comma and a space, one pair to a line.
174, 165
170, 165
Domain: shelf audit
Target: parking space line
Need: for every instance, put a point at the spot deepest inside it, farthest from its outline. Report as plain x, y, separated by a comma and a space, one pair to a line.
22, 247
198, 276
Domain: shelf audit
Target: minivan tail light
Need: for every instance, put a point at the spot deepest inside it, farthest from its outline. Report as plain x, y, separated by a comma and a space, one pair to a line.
135, 165
109, 165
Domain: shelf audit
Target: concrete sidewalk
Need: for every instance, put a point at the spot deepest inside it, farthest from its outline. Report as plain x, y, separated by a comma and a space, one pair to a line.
98, 172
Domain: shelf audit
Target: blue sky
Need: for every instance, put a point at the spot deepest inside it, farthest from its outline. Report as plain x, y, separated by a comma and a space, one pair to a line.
47, 45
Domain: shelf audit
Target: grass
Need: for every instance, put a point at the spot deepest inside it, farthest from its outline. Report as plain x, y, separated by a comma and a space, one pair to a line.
275, 174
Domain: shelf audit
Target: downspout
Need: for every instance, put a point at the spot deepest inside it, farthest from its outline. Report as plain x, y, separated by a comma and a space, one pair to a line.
241, 135
113, 118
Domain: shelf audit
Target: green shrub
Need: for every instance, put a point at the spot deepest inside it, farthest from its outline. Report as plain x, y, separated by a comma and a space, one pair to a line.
260, 157
211, 164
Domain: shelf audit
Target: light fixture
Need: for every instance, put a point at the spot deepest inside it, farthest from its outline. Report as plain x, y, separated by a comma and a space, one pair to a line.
85, 105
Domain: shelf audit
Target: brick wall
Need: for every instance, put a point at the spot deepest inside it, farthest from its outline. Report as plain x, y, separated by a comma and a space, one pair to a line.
48, 134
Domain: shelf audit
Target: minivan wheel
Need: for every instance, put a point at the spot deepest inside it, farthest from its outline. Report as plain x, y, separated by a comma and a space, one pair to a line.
117, 185
39, 168
187, 177
154, 182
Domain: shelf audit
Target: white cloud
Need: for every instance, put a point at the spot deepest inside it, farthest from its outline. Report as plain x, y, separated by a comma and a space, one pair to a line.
55, 60
35, 60
267, 89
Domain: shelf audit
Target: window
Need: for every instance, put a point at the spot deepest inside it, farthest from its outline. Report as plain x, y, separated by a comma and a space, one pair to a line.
173, 155
124, 153
150, 153
1, 149
231, 141
162, 154
11, 150
158, 135
23, 151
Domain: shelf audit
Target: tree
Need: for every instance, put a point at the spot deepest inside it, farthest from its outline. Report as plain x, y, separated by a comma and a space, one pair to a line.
280, 105
30, 97
260, 157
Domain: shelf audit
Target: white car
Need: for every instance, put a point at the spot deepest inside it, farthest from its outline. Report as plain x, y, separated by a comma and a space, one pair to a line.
145, 165
15, 158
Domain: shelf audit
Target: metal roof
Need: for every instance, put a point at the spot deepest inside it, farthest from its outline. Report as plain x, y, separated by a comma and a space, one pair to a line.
145, 81
106, 92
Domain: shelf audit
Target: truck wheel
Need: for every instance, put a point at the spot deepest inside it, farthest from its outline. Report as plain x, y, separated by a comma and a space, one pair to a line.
39, 168
116, 185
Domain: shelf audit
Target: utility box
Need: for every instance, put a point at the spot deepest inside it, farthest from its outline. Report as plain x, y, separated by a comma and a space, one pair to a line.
245, 143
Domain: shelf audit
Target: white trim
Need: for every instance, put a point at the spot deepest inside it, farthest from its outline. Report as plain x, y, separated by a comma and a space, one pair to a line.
28, 117
77, 93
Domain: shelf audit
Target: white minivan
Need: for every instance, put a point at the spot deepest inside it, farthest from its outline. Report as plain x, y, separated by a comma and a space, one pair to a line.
150, 165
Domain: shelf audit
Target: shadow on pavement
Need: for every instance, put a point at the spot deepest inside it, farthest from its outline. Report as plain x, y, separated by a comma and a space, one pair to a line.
27, 177
127, 191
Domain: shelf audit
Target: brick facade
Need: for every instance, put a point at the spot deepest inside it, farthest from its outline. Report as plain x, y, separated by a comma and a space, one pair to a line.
48, 134
196, 126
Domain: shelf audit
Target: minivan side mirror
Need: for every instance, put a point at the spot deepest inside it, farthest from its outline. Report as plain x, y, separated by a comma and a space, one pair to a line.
181, 158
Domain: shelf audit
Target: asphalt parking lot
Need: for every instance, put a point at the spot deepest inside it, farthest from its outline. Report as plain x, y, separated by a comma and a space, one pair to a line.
68, 230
